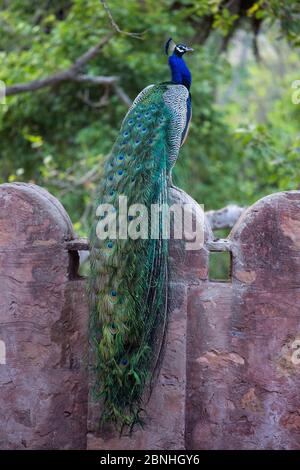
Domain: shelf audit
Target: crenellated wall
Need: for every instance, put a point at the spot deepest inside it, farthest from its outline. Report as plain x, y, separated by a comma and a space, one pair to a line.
231, 373
43, 324
243, 371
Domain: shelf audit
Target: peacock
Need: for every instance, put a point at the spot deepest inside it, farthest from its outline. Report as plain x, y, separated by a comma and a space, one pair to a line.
129, 275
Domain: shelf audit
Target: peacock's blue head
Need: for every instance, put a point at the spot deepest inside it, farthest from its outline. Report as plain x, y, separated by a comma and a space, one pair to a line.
177, 49
179, 70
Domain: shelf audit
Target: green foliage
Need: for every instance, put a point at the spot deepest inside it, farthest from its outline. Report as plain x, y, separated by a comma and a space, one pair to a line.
242, 144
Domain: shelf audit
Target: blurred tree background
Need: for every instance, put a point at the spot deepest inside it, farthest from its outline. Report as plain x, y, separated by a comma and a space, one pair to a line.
244, 139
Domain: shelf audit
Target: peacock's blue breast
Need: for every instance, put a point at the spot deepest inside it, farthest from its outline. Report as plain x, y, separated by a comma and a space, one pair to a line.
180, 72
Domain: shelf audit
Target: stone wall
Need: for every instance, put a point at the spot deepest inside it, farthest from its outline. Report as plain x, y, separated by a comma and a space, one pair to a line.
243, 371
231, 372
43, 325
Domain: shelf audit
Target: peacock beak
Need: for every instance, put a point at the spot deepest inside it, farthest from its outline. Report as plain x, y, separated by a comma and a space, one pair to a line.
189, 49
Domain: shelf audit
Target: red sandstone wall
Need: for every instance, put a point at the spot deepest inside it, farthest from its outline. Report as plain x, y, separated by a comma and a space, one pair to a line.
231, 374
242, 378
43, 324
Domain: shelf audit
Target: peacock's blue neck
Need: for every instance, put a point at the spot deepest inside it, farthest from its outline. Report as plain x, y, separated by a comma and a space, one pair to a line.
180, 72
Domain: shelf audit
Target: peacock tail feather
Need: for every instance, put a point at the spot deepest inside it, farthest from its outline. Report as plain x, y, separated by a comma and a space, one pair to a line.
129, 277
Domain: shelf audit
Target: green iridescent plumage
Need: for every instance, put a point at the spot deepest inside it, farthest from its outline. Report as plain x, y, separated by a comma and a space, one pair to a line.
128, 282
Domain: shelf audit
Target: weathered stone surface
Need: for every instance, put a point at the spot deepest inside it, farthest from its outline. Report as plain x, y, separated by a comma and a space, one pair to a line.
189, 266
43, 325
243, 374
230, 373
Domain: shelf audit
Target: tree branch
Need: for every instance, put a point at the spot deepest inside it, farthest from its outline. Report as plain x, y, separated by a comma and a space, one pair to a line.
225, 217
71, 74
92, 52
103, 100
95, 79
115, 26
122, 95
37, 84
59, 78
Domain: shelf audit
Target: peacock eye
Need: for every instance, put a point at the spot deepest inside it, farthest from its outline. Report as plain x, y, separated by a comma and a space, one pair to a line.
110, 245
120, 172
